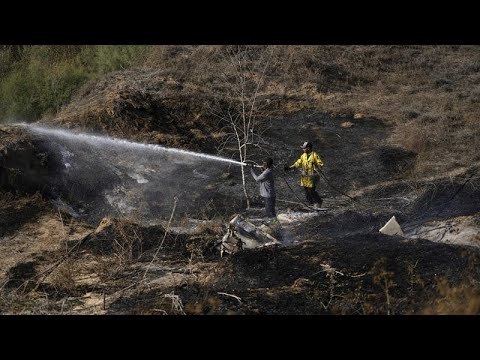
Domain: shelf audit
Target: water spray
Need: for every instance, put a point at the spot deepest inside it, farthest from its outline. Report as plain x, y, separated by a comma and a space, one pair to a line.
105, 140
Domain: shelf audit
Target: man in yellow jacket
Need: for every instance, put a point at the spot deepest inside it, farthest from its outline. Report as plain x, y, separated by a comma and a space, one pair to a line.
309, 163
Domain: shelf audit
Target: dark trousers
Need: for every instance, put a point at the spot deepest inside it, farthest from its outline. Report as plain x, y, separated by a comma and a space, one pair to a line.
312, 196
270, 206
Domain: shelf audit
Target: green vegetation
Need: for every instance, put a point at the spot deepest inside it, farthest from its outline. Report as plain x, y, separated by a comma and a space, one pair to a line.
37, 80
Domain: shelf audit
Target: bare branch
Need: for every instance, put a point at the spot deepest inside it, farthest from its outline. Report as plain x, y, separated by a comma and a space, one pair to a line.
233, 296
164, 237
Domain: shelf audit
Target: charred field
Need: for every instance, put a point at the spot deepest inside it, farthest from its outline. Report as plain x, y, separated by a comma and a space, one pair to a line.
117, 227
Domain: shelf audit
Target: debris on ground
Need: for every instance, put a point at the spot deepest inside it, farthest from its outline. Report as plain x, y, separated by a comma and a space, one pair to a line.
392, 227
242, 234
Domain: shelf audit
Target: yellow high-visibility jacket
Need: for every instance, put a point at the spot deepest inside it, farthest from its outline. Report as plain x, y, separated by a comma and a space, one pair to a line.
309, 164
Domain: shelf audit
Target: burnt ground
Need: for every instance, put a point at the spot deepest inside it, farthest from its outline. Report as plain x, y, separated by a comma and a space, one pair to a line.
344, 275
334, 262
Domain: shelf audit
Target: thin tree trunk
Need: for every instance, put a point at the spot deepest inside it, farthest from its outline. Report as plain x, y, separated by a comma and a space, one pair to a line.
245, 187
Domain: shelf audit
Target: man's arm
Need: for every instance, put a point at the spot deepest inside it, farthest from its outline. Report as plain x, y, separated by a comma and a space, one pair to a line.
253, 174
318, 160
297, 163
261, 177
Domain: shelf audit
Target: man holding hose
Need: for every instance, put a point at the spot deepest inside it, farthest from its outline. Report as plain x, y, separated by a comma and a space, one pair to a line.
267, 187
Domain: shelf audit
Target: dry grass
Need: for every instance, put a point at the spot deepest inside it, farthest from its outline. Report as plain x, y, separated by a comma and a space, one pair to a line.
383, 278
202, 246
430, 94
463, 299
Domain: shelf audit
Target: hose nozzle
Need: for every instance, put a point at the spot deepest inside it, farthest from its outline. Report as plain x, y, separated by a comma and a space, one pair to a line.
251, 163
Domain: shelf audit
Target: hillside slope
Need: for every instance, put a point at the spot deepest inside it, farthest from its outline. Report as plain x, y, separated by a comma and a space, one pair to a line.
397, 128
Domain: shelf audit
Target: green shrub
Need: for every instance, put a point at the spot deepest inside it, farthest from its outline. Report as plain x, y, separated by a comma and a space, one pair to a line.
19, 96
61, 83
26, 94
35, 80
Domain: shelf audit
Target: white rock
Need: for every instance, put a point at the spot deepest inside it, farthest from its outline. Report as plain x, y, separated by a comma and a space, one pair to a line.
392, 228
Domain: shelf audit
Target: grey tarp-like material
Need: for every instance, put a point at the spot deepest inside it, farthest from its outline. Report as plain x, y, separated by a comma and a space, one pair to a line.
242, 234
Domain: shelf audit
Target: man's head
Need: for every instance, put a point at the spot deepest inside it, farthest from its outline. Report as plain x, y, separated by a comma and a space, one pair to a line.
267, 163
307, 147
